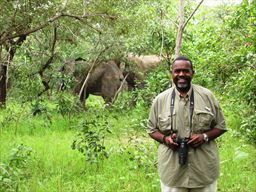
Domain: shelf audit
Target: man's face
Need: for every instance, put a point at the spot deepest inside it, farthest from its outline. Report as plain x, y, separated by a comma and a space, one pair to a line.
182, 74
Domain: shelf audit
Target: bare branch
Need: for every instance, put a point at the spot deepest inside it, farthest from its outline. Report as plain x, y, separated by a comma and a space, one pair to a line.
120, 88
180, 29
54, 40
6, 37
48, 62
162, 34
90, 71
85, 16
191, 15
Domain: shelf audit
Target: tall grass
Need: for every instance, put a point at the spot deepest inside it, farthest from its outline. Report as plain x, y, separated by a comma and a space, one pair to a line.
131, 166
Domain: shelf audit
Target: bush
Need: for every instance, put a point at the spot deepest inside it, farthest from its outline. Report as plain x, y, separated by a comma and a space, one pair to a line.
15, 170
156, 82
248, 128
91, 136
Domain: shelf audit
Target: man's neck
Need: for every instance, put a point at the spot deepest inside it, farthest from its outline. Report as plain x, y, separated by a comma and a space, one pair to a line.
183, 92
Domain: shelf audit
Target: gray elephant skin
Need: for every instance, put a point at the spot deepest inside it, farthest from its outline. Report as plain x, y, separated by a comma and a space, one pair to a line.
139, 66
105, 79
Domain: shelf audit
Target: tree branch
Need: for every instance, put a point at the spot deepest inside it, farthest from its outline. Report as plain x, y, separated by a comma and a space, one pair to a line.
89, 73
191, 15
119, 89
85, 16
180, 29
48, 62
6, 37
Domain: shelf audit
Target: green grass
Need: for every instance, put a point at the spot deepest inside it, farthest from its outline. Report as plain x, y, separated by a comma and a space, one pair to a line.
131, 165
238, 165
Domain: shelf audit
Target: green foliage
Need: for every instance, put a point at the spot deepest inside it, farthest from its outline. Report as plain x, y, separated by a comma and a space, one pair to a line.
141, 153
125, 101
243, 84
219, 40
7, 116
226, 65
24, 82
91, 136
39, 107
13, 115
248, 128
244, 89
131, 164
234, 155
16, 169
156, 82
20, 156
67, 104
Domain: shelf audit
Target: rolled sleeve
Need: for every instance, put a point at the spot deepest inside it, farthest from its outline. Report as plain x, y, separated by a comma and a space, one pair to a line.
152, 119
220, 120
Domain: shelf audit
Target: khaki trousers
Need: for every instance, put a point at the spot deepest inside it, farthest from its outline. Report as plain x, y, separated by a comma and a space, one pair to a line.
208, 188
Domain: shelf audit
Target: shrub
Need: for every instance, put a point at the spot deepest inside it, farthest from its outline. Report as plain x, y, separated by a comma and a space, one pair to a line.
15, 170
91, 136
248, 128
156, 82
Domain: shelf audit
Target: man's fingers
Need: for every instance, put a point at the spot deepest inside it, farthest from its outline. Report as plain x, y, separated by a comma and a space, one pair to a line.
192, 140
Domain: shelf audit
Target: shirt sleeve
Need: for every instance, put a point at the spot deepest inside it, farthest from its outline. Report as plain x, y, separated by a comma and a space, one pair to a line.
220, 120
152, 120
219, 116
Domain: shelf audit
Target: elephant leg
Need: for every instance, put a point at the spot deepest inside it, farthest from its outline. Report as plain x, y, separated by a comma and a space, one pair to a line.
83, 97
107, 100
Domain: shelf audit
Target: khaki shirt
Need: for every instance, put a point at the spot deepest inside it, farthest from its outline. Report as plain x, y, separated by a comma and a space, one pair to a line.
202, 167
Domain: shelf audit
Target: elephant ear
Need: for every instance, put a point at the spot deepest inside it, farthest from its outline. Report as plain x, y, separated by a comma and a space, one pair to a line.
69, 67
81, 70
150, 62
122, 67
75, 67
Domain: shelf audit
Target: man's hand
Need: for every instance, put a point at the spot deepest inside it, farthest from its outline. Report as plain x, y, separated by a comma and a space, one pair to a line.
170, 141
196, 140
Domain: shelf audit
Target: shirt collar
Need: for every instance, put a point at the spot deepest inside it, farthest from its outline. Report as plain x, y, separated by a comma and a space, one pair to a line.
188, 93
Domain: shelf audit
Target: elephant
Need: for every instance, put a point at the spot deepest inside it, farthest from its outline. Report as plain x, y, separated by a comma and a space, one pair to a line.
106, 79
140, 66
144, 63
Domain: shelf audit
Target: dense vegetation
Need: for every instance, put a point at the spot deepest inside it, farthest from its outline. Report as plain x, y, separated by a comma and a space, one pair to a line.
50, 143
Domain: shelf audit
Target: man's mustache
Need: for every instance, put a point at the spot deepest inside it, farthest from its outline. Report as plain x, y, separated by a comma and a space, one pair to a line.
183, 77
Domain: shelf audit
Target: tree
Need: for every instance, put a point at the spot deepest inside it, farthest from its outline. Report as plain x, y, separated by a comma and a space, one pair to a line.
182, 25
23, 18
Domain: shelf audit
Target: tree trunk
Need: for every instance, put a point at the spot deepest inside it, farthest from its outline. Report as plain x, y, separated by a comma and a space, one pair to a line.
182, 25
180, 29
3, 84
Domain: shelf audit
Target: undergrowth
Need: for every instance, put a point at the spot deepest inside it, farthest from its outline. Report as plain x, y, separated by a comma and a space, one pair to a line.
112, 151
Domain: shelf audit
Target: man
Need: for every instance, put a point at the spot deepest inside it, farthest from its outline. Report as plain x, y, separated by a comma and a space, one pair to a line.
186, 119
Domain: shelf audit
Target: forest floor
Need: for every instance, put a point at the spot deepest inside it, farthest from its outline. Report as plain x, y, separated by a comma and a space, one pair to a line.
36, 156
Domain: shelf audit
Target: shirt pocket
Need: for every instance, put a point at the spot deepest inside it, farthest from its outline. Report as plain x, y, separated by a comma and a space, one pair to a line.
164, 122
203, 120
